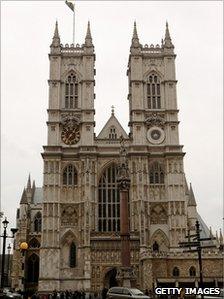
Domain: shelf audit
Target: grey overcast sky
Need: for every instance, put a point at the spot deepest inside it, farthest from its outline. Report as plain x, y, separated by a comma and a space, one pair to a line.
196, 30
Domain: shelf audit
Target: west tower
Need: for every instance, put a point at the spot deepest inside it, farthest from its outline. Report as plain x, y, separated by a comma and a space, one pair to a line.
70, 134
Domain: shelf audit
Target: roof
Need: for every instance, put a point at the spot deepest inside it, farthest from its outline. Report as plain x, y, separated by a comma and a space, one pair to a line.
112, 122
38, 195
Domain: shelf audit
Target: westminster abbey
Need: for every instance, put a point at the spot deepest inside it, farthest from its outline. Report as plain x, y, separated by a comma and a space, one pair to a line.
72, 222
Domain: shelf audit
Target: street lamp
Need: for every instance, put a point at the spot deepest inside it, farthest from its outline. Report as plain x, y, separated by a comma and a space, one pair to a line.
8, 268
23, 247
4, 236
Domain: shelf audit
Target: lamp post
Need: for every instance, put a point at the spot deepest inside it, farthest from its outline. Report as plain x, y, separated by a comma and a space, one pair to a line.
8, 263
23, 247
4, 236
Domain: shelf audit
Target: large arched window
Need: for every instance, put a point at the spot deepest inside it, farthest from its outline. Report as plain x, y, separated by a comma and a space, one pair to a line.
192, 271
70, 177
37, 222
72, 255
176, 272
33, 268
109, 201
156, 173
71, 92
153, 92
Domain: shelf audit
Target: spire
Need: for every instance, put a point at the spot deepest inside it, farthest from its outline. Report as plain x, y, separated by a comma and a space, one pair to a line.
192, 201
210, 232
112, 110
29, 182
135, 40
23, 197
167, 40
56, 34
88, 39
220, 237
186, 187
56, 37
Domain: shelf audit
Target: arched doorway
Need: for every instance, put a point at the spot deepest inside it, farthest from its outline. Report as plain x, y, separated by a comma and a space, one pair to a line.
110, 279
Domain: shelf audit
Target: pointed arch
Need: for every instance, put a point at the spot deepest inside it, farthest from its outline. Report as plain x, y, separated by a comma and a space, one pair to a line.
151, 71
33, 262
156, 173
160, 238
153, 89
108, 200
37, 222
69, 249
70, 175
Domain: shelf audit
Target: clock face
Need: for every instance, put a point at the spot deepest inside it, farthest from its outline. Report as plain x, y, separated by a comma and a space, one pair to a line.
70, 135
155, 135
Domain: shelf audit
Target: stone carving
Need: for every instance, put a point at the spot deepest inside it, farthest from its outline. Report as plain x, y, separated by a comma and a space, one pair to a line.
155, 119
123, 170
158, 213
71, 120
69, 216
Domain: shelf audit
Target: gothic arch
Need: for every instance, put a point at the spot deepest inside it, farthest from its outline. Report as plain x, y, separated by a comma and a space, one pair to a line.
33, 262
69, 72
37, 222
161, 239
69, 250
105, 166
69, 175
152, 71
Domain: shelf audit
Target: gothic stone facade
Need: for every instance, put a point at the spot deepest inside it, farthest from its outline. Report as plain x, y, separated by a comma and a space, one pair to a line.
76, 238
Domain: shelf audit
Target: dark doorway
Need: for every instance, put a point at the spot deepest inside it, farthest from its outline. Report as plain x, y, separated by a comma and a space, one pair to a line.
110, 279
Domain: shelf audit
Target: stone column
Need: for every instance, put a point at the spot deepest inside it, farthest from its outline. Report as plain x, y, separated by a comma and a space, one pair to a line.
125, 273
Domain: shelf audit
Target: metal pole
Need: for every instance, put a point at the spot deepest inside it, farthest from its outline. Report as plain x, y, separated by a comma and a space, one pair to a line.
199, 255
74, 26
3, 259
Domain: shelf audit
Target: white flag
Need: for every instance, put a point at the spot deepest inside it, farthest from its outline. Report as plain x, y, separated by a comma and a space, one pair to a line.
70, 5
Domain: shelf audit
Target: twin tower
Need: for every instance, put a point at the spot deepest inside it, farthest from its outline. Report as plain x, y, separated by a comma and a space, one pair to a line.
80, 209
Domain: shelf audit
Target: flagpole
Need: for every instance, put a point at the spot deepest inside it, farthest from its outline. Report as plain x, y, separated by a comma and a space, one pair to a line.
74, 26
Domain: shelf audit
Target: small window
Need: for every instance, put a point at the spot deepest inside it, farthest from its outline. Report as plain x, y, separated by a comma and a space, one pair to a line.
192, 271
72, 257
112, 134
156, 173
37, 222
176, 272
70, 177
155, 246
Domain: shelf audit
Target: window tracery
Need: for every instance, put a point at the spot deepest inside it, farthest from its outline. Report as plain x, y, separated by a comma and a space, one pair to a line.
71, 92
153, 92
33, 268
156, 173
112, 134
109, 201
37, 222
70, 176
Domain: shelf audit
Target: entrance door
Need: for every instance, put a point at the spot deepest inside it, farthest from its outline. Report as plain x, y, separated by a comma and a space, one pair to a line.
110, 279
